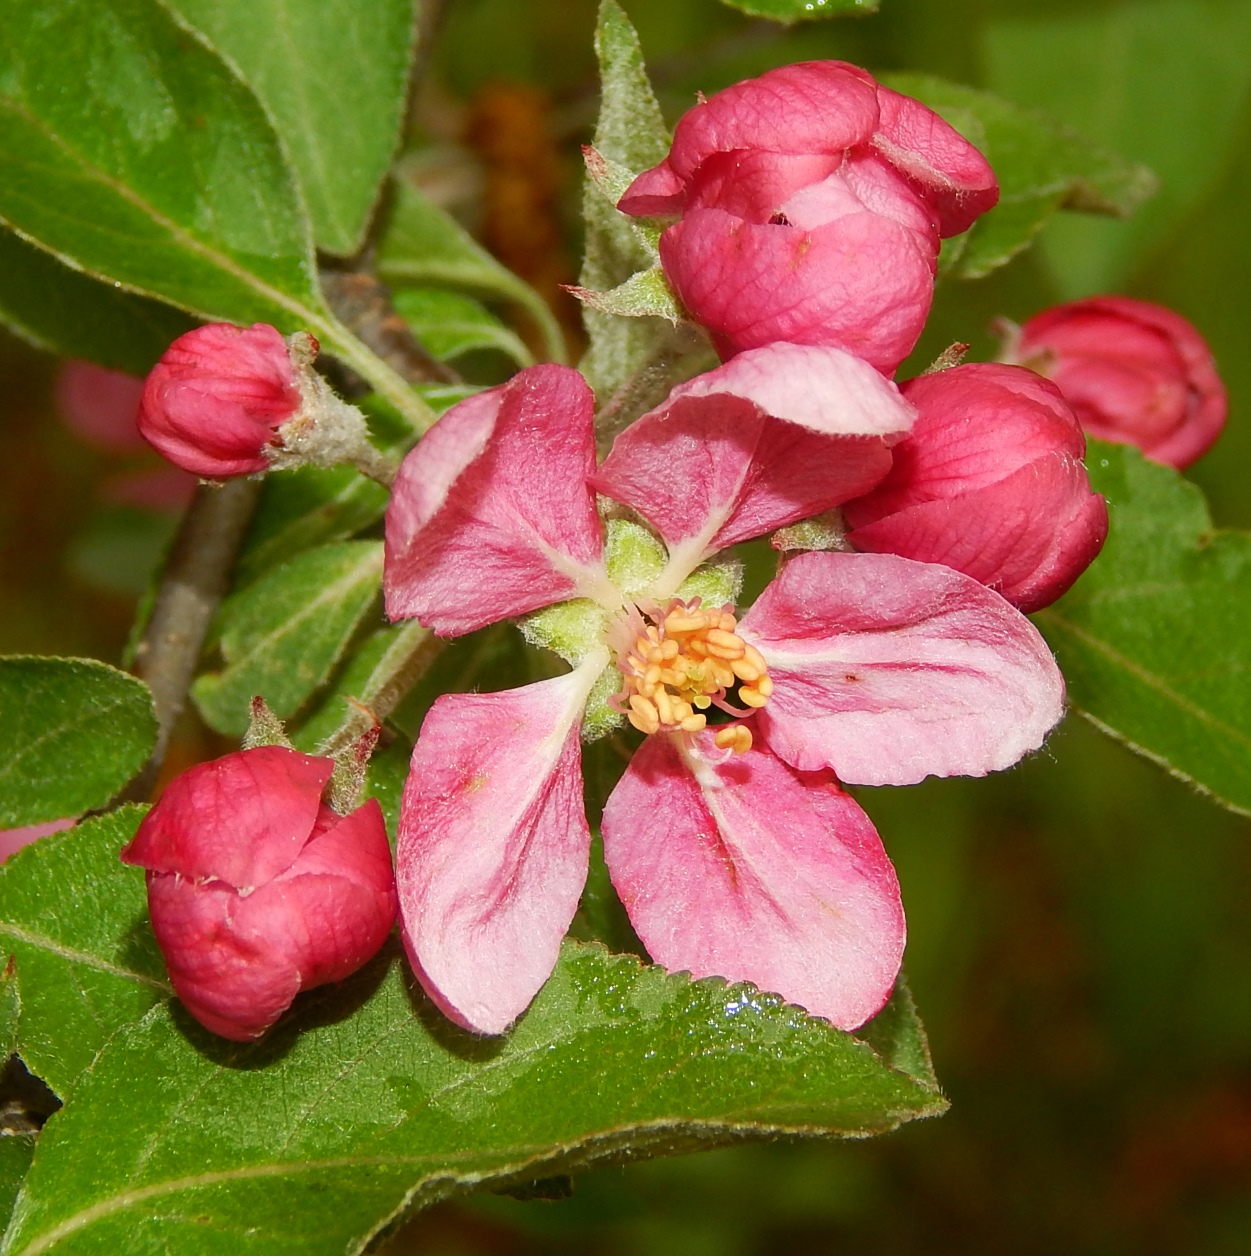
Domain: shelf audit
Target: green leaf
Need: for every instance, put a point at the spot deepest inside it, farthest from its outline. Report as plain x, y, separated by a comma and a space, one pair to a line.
74, 919
449, 324
1041, 167
1153, 639
72, 733
304, 507
422, 245
282, 636
67, 313
645, 294
366, 1104
801, 10
333, 76
1163, 81
630, 136
16, 1152
130, 150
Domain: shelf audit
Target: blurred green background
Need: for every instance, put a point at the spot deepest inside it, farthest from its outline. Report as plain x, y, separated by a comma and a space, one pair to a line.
1080, 928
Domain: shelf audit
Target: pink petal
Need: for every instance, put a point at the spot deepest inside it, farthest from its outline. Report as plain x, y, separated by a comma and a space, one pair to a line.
241, 819
863, 282
889, 670
748, 870
235, 986
493, 846
952, 176
994, 534
809, 107
657, 192
491, 515
775, 435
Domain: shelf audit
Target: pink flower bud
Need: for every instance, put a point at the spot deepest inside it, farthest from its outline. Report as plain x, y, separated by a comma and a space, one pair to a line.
257, 890
215, 400
1134, 373
989, 482
812, 201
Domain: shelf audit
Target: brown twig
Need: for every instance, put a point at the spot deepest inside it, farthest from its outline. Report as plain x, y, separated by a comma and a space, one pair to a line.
195, 580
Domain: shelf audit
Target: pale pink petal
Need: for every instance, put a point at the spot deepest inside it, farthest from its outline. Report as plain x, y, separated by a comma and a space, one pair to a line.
493, 846
952, 176
241, 819
491, 515
748, 870
774, 435
889, 670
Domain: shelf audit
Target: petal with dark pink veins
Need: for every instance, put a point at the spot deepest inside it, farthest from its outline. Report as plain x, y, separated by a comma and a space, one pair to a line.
775, 435
889, 670
491, 515
748, 870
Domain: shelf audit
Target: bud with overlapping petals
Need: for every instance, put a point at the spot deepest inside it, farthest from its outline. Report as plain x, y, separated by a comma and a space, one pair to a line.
990, 482
258, 890
226, 401
1134, 372
811, 203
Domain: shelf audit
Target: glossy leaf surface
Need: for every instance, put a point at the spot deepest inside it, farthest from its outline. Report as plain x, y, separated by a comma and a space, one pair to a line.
281, 636
72, 315
75, 920
1153, 639
316, 1138
72, 733
333, 75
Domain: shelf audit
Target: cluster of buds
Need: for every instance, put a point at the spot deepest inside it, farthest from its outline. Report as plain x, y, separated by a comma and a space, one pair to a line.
806, 207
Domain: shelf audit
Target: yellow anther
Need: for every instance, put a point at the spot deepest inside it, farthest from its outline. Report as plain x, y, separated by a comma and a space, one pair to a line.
683, 660
734, 737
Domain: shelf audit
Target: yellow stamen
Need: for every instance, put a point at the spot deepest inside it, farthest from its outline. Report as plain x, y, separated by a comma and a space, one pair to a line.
683, 659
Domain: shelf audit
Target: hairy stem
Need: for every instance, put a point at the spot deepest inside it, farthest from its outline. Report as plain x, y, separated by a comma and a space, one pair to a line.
195, 580
406, 661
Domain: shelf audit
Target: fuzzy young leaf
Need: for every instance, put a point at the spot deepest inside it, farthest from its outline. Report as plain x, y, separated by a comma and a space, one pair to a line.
67, 313
281, 636
1153, 638
72, 733
1041, 167
423, 245
642, 295
449, 324
630, 136
75, 920
334, 77
365, 1104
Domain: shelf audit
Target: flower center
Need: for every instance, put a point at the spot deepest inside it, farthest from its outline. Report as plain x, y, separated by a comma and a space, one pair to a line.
679, 661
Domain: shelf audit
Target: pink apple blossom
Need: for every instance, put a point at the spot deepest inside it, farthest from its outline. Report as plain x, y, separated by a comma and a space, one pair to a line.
214, 402
812, 201
989, 481
257, 890
1134, 372
733, 846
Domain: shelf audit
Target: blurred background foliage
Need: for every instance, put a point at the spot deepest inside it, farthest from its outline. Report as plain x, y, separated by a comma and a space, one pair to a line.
1080, 928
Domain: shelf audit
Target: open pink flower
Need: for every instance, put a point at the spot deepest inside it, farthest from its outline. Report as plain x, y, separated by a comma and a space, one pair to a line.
733, 847
811, 203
